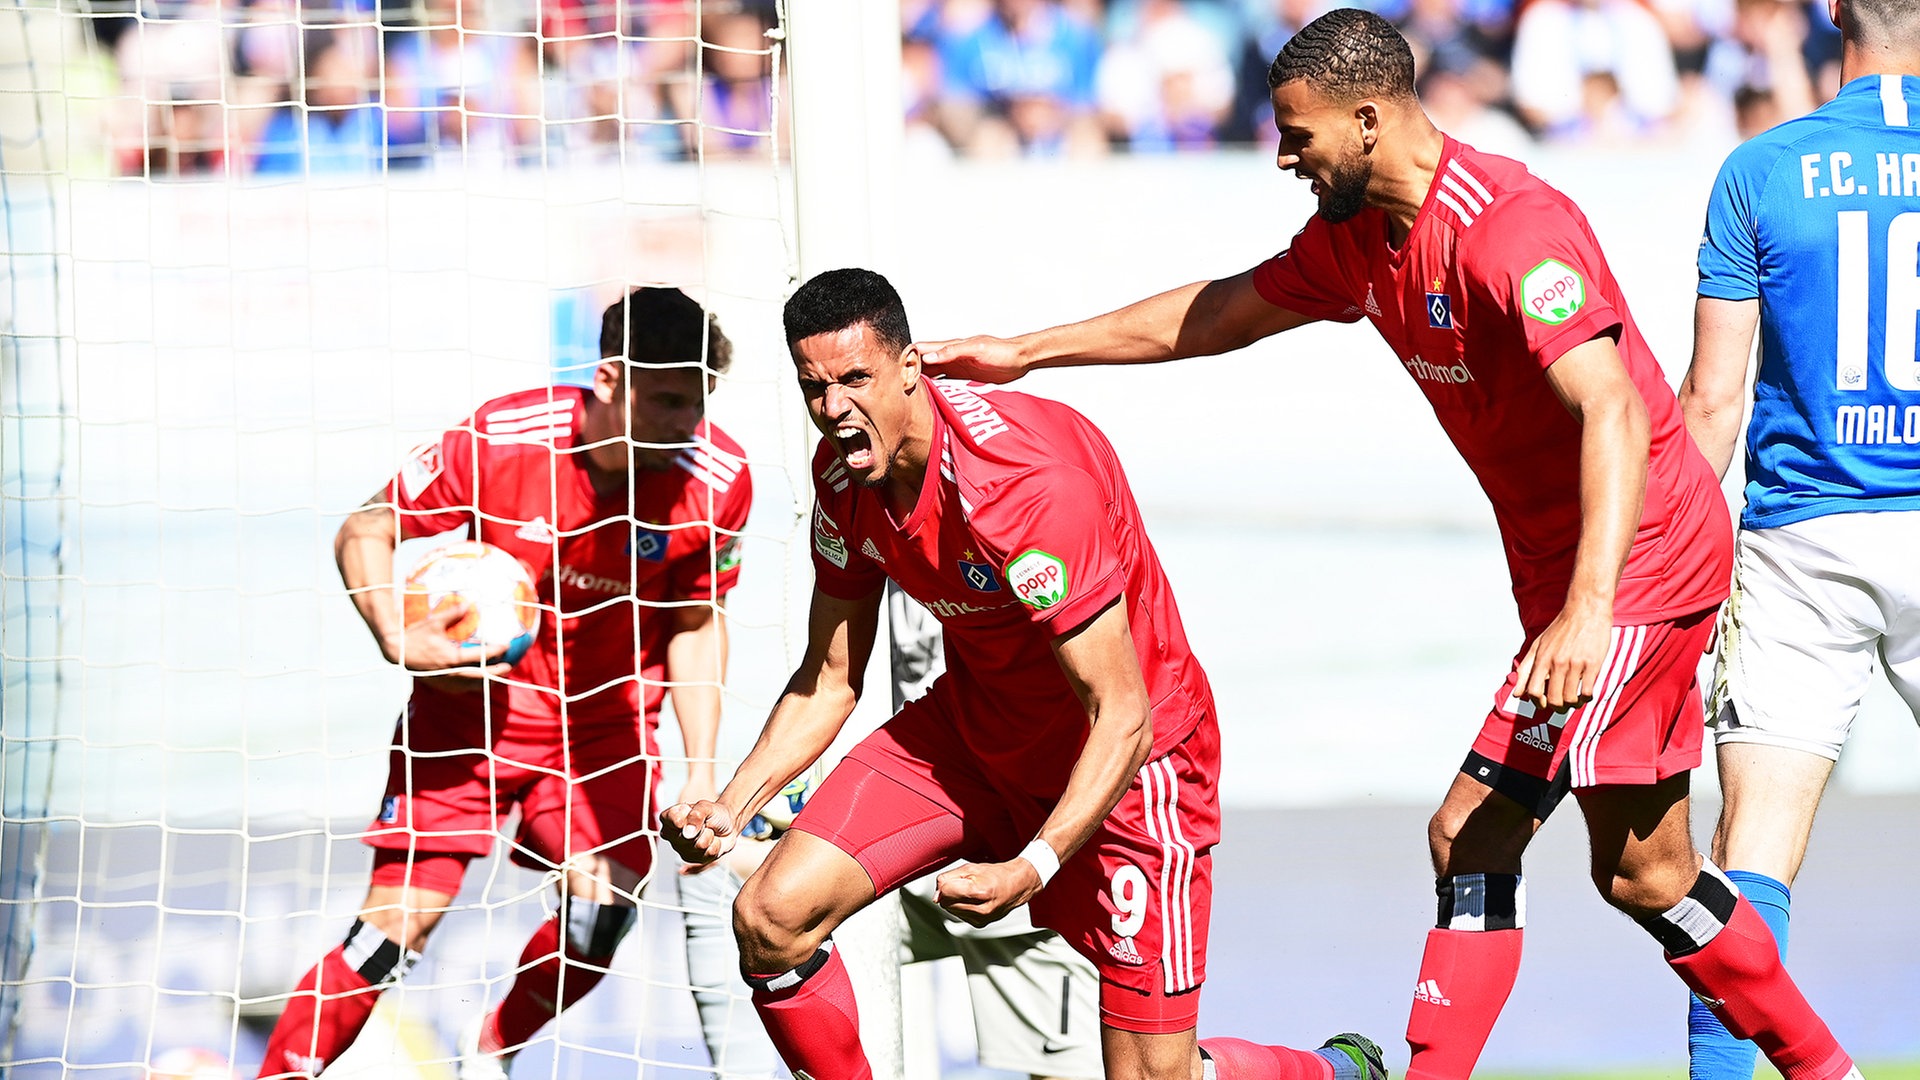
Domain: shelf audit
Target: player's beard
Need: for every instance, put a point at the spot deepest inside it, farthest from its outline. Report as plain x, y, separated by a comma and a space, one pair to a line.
1345, 191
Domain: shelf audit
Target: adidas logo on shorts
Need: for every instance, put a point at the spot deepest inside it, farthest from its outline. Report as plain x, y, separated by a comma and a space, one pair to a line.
1539, 736
1124, 951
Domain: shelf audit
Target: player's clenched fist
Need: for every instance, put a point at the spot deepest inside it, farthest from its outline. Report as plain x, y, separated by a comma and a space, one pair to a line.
980, 893
699, 832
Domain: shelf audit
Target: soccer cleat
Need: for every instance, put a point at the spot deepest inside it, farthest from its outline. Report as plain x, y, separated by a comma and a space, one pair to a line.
1368, 1062
475, 1062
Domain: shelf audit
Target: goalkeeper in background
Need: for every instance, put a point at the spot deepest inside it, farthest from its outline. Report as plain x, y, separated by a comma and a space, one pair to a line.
626, 506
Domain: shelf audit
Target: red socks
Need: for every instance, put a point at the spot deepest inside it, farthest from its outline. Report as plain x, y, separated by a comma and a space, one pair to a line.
810, 1015
1740, 970
318, 1026
1465, 978
551, 978
1238, 1059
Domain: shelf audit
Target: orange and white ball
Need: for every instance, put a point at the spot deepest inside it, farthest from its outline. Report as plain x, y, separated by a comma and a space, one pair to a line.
502, 606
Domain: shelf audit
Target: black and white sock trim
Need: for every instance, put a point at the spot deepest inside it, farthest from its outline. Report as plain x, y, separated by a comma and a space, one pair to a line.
378, 960
1688, 926
787, 980
1482, 902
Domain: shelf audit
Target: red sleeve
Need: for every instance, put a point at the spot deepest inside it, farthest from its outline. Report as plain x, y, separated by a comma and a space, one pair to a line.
433, 490
1063, 560
1307, 277
712, 569
1542, 269
839, 569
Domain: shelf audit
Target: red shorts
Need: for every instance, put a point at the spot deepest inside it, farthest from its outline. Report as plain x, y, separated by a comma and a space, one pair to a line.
1644, 724
1134, 900
593, 793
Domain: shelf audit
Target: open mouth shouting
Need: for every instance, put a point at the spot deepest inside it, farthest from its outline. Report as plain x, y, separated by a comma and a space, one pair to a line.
855, 447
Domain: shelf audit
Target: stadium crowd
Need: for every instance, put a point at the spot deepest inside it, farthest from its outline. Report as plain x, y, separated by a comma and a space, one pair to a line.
286, 86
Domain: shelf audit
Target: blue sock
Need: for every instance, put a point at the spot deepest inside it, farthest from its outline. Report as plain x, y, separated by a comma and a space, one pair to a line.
1713, 1052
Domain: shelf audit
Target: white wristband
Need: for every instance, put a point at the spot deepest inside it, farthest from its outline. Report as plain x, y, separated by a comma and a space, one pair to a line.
1042, 858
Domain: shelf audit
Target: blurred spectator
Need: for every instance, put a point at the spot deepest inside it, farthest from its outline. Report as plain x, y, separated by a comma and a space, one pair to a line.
736, 98
1592, 69
530, 81
337, 127
462, 84
1466, 105
1761, 64
1018, 76
1823, 51
1166, 84
172, 119
920, 97
1270, 25
1462, 73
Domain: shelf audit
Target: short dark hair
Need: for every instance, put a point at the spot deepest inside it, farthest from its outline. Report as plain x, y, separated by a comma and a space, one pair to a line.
838, 299
1879, 22
653, 325
1345, 55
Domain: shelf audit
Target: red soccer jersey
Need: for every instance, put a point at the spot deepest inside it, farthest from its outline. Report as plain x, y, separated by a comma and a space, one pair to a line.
610, 563
1499, 277
1025, 530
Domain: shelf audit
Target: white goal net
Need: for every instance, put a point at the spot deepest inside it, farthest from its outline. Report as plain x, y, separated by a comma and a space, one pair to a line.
252, 251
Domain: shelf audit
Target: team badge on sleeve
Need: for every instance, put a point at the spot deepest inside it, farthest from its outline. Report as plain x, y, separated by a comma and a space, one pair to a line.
1039, 580
728, 555
1552, 292
827, 539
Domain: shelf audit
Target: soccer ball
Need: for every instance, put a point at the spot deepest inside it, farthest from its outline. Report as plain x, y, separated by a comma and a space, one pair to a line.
777, 816
502, 606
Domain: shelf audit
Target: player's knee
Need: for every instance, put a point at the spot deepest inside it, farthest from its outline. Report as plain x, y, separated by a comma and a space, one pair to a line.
406, 927
1646, 889
1489, 837
776, 927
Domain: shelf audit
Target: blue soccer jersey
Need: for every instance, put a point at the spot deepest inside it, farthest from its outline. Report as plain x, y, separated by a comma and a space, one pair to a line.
1820, 220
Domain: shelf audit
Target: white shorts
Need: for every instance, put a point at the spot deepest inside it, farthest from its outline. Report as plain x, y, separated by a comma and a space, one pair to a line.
1036, 1002
1814, 605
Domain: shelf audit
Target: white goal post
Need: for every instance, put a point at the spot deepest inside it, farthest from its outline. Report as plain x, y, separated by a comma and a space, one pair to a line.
208, 358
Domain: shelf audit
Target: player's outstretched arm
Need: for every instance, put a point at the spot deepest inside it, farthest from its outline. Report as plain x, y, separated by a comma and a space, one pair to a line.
363, 550
696, 671
1713, 396
1202, 319
811, 711
1562, 667
1100, 663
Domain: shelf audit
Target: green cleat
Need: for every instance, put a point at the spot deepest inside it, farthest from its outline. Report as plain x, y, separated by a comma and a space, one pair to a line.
1368, 1062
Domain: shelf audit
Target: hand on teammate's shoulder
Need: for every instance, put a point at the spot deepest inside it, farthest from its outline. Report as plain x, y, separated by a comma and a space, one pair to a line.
980, 358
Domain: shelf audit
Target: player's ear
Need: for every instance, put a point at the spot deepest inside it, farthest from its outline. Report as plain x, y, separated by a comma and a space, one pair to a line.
910, 365
1367, 114
607, 379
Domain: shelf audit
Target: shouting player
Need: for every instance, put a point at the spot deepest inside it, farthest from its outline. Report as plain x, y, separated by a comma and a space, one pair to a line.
1811, 235
1493, 293
626, 506
1069, 753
